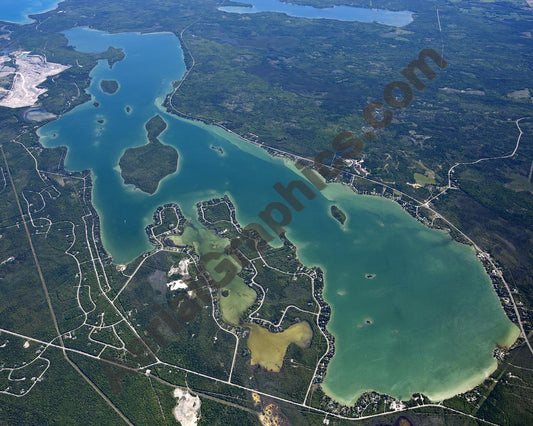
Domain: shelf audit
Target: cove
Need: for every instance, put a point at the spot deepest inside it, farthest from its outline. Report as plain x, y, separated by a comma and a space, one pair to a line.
427, 322
340, 13
17, 11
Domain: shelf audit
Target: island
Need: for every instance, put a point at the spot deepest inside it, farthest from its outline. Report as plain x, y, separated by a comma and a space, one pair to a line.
217, 149
145, 166
338, 214
109, 86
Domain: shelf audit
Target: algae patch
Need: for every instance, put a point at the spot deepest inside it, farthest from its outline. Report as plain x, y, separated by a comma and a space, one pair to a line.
268, 349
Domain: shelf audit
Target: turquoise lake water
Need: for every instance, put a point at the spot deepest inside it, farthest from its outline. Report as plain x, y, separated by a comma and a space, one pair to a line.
340, 13
435, 319
18, 10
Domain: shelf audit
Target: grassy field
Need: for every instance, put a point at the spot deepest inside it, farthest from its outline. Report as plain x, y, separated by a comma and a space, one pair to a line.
424, 179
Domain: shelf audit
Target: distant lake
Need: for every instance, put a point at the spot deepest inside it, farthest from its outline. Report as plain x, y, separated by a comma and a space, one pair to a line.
17, 11
340, 13
428, 320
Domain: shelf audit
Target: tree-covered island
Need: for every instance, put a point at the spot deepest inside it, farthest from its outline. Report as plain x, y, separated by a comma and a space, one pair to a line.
146, 165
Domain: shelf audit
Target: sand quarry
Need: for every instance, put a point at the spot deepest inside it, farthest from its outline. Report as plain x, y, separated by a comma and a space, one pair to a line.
187, 410
29, 72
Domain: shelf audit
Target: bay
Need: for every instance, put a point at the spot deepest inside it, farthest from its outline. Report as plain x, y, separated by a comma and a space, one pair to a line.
17, 11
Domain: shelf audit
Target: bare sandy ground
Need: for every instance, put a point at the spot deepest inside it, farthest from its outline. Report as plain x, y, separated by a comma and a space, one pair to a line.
183, 270
187, 412
30, 71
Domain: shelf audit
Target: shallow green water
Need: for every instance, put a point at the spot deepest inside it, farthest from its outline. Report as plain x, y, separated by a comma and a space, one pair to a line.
434, 316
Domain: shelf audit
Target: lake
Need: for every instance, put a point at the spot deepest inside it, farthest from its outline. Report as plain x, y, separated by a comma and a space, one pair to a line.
427, 322
340, 13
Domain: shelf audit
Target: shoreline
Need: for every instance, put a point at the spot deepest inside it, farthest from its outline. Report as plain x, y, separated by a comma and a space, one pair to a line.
438, 397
